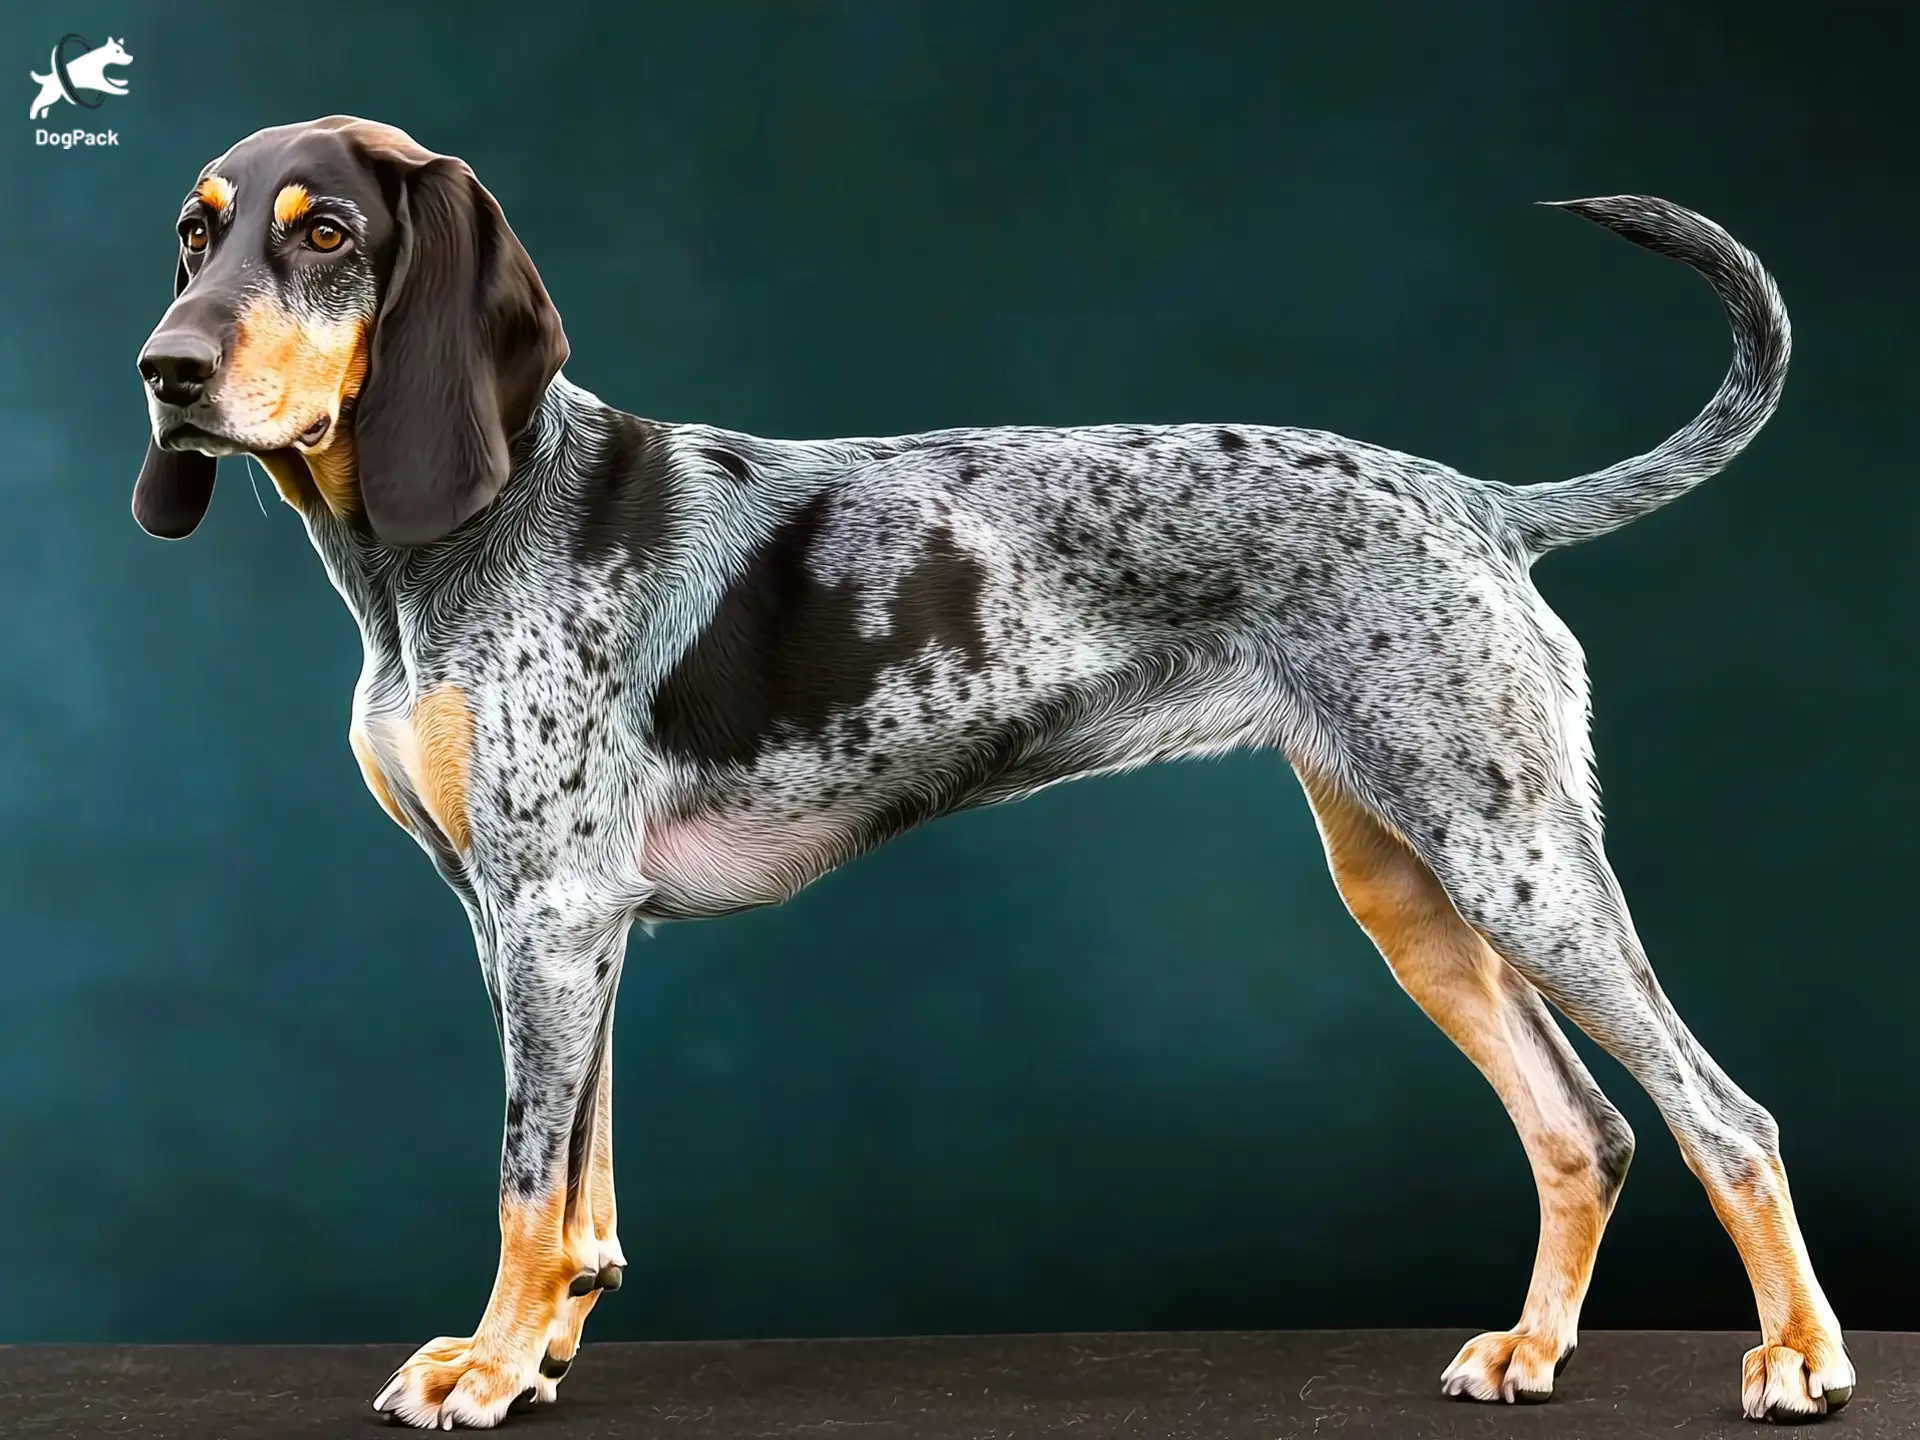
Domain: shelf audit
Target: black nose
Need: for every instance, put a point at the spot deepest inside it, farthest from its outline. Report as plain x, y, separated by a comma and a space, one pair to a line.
178, 365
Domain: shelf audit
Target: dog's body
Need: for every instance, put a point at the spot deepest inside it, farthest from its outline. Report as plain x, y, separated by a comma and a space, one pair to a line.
87, 72
622, 670
737, 663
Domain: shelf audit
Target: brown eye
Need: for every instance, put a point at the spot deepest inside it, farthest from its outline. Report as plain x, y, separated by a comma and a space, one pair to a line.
194, 237
323, 235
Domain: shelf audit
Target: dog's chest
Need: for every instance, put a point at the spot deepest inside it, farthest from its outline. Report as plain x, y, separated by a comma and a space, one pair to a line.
418, 762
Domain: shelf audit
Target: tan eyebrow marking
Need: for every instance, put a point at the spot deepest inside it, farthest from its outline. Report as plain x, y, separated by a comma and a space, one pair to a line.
291, 203
215, 192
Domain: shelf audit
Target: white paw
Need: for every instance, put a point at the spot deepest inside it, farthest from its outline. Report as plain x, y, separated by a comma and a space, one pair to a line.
1506, 1365
1781, 1384
449, 1382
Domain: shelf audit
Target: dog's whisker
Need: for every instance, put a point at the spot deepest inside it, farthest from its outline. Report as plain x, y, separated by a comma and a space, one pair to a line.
253, 464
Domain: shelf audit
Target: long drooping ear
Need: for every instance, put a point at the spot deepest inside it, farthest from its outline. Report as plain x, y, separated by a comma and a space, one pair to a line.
463, 348
175, 487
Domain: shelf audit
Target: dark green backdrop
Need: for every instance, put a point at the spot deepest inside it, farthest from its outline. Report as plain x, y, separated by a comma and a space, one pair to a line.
1112, 1058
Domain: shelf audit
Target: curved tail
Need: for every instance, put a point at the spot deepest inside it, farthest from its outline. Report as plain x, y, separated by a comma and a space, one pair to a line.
1566, 512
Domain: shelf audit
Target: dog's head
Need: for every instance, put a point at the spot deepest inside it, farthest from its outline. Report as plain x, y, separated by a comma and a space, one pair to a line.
353, 309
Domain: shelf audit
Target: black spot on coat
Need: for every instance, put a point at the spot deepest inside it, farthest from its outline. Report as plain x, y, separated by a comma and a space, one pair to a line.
784, 652
625, 497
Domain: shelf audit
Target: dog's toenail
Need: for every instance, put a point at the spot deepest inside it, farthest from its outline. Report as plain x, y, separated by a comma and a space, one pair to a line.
1839, 1396
1780, 1415
554, 1369
1566, 1358
610, 1277
581, 1284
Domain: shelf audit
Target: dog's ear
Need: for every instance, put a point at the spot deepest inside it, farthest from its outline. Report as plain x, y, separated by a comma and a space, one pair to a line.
175, 487
464, 346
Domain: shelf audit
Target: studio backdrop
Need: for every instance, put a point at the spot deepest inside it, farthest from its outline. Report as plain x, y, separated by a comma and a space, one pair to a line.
1114, 1057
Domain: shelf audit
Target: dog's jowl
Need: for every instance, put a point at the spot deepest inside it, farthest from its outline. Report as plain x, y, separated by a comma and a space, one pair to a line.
619, 670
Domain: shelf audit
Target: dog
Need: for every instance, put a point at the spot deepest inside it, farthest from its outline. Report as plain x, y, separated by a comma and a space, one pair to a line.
621, 670
87, 72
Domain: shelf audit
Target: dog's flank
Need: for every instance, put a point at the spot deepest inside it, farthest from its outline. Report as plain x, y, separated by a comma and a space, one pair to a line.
616, 669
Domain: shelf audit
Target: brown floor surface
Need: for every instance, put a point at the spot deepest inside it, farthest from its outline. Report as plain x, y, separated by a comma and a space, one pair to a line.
1382, 1384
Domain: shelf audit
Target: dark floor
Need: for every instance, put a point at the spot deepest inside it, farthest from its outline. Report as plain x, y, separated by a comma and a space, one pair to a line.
1382, 1384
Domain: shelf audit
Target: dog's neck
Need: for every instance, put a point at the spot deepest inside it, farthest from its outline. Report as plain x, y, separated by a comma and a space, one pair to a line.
374, 577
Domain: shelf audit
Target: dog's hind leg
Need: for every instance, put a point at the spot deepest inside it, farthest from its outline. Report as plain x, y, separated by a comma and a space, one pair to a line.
1488, 780
1577, 1143
1563, 923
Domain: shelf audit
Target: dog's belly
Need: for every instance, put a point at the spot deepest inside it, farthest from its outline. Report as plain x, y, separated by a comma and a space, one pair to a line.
714, 862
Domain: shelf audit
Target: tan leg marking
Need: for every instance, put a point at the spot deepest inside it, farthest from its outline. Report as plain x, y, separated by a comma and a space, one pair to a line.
1489, 1012
1800, 1368
442, 732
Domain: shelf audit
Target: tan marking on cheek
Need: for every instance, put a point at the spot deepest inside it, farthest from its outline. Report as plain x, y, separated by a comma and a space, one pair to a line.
443, 744
283, 373
334, 476
291, 203
290, 477
215, 192
287, 367
334, 462
370, 772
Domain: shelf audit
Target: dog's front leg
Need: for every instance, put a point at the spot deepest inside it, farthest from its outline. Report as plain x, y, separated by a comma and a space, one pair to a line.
553, 980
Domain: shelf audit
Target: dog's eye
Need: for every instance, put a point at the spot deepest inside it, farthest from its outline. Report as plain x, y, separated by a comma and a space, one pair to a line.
324, 235
194, 236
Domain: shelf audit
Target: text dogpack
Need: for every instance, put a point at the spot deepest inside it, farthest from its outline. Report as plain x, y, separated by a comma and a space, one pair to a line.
67, 139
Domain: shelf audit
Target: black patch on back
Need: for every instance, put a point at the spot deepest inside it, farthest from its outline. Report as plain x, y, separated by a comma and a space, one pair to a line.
784, 652
625, 514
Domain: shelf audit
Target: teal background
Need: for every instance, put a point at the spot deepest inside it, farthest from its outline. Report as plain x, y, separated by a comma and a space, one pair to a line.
1111, 1058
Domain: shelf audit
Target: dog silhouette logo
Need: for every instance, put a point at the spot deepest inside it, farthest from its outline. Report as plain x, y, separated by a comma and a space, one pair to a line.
82, 79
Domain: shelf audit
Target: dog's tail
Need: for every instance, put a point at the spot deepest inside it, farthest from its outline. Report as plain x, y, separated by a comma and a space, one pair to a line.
1566, 512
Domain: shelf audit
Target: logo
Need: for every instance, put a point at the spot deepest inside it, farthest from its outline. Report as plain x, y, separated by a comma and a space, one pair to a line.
80, 78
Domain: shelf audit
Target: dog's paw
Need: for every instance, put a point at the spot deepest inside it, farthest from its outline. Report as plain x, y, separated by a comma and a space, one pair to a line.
1513, 1366
1779, 1383
451, 1382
